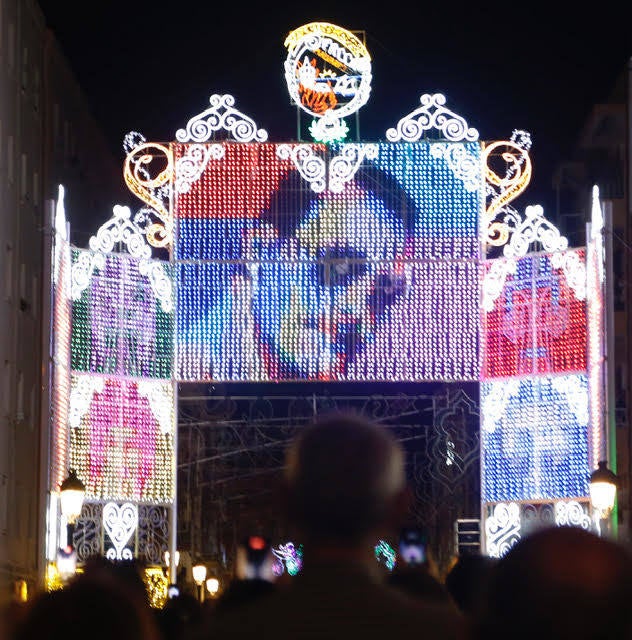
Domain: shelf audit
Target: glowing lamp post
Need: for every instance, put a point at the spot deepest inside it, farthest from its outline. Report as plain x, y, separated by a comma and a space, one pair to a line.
71, 494
603, 491
212, 586
172, 575
199, 575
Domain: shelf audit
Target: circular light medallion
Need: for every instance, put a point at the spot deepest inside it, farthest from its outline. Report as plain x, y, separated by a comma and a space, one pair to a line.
328, 74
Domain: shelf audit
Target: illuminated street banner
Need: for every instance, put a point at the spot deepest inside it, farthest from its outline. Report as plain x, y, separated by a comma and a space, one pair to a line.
401, 260
373, 278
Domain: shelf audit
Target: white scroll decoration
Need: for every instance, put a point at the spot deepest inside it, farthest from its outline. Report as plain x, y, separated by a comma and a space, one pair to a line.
575, 390
432, 115
495, 403
161, 283
192, 164
81, 394
311, 167
502, 529
465, 166
574, 269
120, 524
82, 270
572, 513
534, 228
343, 167
221, 115
120, 228
494, 281
160, 397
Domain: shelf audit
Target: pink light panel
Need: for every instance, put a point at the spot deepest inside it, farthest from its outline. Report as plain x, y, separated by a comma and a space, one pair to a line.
119, 449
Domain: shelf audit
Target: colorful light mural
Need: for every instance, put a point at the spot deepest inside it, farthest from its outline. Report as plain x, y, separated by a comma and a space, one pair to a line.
373, 278
326, 261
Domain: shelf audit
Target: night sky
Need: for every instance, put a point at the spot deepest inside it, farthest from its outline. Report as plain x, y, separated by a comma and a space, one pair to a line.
502, 66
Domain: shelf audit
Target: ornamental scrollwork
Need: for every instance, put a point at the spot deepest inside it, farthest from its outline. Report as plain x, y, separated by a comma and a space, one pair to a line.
574, 269
87, 533
192, 164
221, 115
160, 397
572, 513
153, 533
82, 269
502, 529
494, 281
120, 522
160, 281
311, 167
120, 228
343, 167
82, 390
432, 114
148, 172
534, 228
504, 186
465, 166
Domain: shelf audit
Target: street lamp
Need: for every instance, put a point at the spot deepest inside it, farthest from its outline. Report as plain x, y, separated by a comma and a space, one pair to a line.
199, 575
71, 494
212, 586
167, 557
603, 491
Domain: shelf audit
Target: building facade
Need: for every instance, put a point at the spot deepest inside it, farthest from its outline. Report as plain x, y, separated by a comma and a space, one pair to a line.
47, 137
602, 156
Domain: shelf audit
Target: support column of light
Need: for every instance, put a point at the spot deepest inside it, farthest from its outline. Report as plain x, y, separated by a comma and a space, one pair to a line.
611, 422
603, 481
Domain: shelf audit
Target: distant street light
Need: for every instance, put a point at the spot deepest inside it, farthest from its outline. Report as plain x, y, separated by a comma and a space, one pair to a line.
212, 586
71, 495
199, 576
603, 491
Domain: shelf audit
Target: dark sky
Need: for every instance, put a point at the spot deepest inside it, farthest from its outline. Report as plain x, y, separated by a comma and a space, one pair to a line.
538, 66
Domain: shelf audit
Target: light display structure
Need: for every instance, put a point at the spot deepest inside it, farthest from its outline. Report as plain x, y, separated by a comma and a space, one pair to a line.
350, 262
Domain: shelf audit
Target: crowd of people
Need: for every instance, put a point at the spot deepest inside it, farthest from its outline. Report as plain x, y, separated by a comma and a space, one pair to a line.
345, 487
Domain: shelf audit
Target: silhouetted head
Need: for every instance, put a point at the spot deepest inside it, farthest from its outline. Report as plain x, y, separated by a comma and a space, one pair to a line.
101, 609
345, 478
561, 582
466, 581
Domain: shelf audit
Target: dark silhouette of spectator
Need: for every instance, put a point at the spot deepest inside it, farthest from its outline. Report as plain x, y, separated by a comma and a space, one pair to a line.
466, 582
253, 574
562, 583
345, 488
180, 618
99, 609
412, 573
125, 575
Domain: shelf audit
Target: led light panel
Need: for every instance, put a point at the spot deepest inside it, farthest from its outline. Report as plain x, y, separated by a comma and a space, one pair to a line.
121, 438
331, 263
534, 439
537, 325
119, 326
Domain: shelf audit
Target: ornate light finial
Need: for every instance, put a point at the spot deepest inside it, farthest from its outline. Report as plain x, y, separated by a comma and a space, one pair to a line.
221, 115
